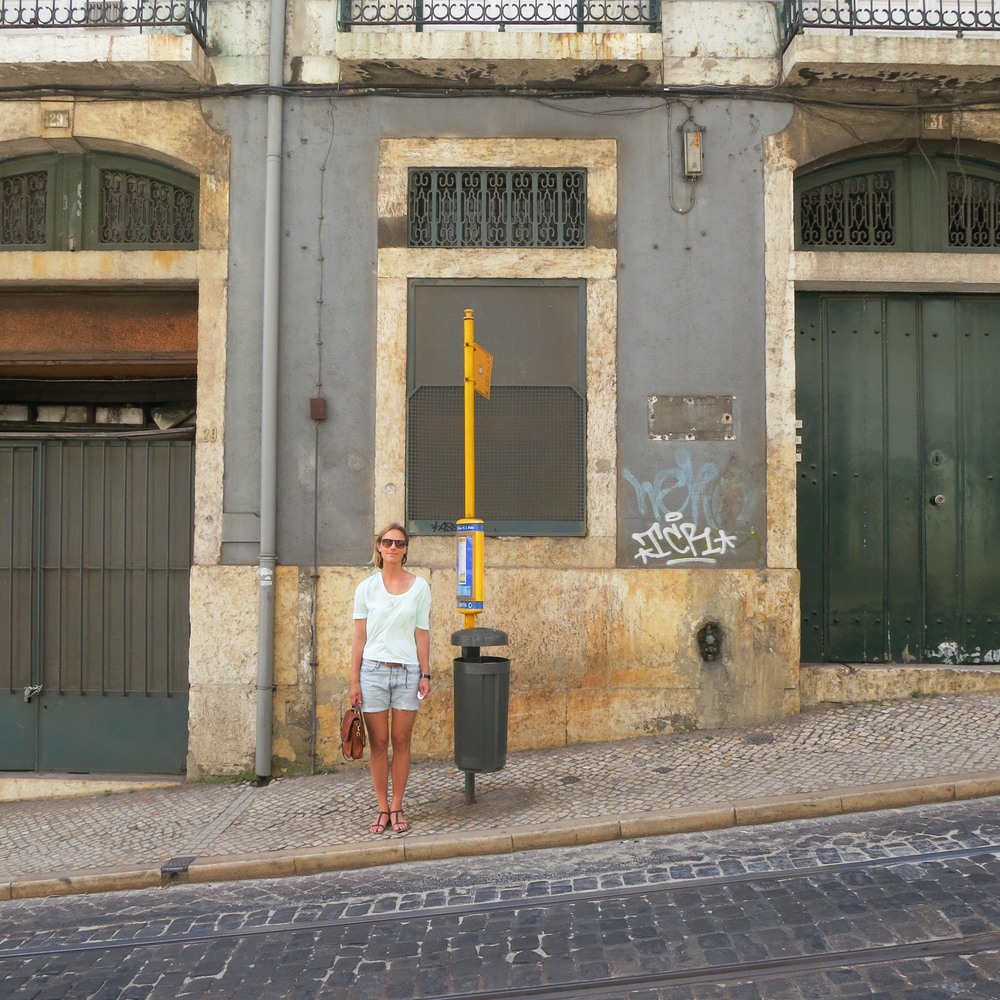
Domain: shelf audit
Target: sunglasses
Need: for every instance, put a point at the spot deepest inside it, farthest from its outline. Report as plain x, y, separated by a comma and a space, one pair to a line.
388, 543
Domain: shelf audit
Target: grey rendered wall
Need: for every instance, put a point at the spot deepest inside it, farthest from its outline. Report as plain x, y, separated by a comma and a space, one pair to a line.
690, 321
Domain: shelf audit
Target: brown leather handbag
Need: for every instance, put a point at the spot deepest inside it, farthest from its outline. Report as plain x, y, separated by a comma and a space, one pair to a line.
352, 735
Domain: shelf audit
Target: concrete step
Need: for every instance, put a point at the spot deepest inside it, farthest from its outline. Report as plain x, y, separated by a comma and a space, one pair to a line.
852, 683
16, 786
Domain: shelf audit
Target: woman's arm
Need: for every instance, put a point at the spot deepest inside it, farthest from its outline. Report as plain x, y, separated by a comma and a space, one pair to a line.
422, 637
357, 651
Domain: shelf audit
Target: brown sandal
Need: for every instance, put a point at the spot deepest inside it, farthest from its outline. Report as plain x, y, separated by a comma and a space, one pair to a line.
401, 824
378, 826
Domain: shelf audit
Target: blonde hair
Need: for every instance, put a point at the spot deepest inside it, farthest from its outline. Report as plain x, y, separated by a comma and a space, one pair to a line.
394, 526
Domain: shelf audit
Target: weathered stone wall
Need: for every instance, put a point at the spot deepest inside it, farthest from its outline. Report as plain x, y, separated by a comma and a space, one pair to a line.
595, 654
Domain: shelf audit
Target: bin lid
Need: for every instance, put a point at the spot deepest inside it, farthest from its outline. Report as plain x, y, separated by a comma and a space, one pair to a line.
479, 637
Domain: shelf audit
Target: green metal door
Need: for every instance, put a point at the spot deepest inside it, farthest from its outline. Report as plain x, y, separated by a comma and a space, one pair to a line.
96, 553
899, 478
19, 581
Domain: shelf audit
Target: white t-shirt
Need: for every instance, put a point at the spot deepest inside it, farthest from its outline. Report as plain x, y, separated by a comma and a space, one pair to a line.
392, 618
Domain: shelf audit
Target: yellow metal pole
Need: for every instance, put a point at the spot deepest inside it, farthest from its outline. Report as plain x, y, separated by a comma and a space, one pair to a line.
470, 427
470, 415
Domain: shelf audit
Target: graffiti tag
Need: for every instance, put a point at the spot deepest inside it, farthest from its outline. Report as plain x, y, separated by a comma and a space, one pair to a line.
684, 503
679, 541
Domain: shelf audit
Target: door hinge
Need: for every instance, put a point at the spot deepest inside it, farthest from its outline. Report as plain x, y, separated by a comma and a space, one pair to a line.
31, 690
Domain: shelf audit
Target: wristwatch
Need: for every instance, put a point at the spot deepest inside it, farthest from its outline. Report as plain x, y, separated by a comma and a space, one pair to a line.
427, 676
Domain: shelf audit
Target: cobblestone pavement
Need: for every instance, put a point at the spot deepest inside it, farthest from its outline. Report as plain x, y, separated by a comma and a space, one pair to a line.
823, 762
898, 905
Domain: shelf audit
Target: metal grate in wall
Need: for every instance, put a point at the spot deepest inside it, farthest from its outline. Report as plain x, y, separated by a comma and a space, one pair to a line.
857, 211
22, 209
143, 210
488, 207
973, 211
530, 459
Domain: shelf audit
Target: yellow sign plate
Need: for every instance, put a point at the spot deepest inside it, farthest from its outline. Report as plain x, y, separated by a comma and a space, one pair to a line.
482, 370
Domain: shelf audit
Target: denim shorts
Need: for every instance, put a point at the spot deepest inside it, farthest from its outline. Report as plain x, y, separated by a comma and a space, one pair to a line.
384, 686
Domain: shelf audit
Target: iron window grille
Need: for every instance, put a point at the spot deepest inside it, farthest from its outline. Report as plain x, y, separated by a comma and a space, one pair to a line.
142, 210
973, 212
96, 202
857, 211
900, 203
143, 15
950, 16
24, 209
490, 207
572, 15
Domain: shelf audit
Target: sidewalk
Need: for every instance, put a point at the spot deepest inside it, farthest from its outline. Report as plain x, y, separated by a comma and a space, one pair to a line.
838, 760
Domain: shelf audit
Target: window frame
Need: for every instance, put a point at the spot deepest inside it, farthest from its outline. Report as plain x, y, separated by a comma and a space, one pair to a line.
524, 528
73, 205
920, 189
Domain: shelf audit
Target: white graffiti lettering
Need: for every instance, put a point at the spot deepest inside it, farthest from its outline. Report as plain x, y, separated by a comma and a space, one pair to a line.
680, 542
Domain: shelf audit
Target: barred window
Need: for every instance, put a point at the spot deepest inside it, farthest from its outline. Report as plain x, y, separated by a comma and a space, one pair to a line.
857, 211
96, 201
23, 209
530, 433
490, 207
908, 202
138, 210
973, 211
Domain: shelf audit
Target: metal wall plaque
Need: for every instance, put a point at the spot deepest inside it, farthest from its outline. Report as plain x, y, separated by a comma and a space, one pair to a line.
691, 418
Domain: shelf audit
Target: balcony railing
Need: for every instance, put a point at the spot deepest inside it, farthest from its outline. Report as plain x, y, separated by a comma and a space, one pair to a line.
498, 15
142, 15
952, 16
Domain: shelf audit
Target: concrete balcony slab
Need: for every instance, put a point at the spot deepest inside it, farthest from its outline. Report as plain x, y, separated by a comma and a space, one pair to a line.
448, 58
828, 56
101, 58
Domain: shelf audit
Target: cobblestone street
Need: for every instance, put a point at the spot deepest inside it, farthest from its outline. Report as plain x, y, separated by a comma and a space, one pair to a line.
891, 904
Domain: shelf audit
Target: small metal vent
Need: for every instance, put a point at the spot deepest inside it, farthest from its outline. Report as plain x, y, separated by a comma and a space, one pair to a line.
467, 207
530, 459
854, 212
973, 212
23, 209
142, 210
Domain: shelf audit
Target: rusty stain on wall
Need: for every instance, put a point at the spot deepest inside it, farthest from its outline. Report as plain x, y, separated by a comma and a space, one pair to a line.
77, 333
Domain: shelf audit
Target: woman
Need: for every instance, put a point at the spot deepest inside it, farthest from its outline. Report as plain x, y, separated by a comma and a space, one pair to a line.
390, 668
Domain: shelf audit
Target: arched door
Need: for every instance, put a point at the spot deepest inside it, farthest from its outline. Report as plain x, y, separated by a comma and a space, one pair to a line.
899, 474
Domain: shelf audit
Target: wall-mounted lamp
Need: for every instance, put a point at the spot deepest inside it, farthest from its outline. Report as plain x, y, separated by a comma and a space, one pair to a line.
692, 134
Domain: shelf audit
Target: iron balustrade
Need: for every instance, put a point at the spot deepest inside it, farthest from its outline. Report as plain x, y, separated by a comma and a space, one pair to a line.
144, 15
952, 16
570, 15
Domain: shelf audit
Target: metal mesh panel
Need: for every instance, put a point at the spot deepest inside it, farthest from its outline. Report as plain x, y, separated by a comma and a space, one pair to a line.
854, 212
142, 210
466, 207
23, 201
973, 211
530, 458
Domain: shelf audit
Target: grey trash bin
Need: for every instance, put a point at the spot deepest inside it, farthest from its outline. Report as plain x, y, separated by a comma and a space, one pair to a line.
482, 691
482, 694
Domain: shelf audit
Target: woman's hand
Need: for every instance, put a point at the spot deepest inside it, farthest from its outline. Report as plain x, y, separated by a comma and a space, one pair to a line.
424, 687
354, 694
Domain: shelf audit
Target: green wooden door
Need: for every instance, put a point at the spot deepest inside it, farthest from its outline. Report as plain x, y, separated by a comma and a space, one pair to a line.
899, 478
95, 553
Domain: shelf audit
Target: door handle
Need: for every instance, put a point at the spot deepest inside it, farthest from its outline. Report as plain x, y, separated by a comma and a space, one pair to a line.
937, 499
30, 691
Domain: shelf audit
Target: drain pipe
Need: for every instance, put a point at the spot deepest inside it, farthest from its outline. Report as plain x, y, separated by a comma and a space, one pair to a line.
269, 396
